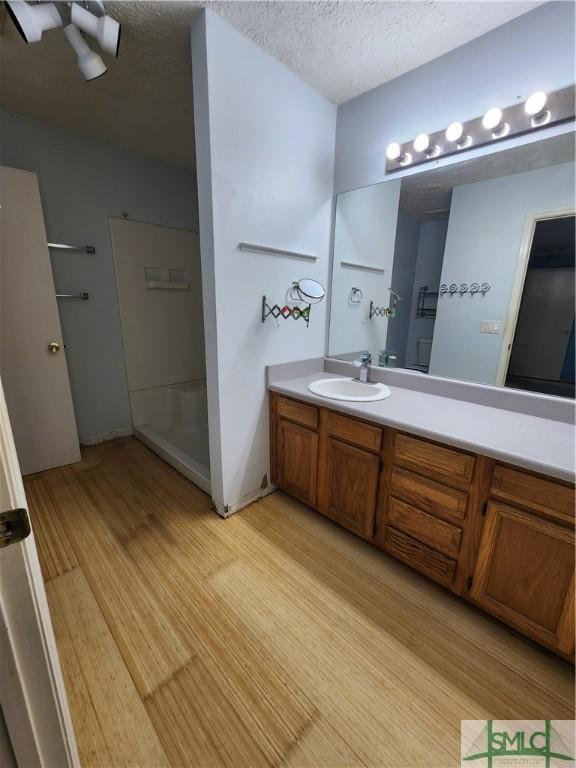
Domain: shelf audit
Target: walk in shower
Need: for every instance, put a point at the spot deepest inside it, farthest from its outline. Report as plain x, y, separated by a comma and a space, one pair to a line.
160, 293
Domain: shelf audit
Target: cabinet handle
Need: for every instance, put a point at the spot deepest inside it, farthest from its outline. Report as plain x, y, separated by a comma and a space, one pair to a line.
484, 508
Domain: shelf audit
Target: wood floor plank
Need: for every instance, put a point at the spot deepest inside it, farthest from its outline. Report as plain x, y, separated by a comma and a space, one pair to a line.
111, 722
272, 708
152, 648
198, 724
452, 638
273, 637
55, 551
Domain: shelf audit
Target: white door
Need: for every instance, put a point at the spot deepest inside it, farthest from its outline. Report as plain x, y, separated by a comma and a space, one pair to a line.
35, 380
32, 695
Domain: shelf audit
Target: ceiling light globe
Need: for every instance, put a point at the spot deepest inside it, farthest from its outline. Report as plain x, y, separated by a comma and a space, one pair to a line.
454, 132
492, 119
422, 142
535, 103
393, 151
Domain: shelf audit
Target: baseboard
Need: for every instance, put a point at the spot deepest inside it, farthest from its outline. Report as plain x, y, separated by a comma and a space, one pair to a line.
114, 435
250, 498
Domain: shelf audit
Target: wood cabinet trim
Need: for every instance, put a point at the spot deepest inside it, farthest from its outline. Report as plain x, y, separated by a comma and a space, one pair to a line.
562, 639
296, 411
449, 465
436, 498
534, 492
307, 495
356, 432
367, 493
420, 557
428, 529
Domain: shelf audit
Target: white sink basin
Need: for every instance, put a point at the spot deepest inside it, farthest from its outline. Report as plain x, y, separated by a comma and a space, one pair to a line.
349, 389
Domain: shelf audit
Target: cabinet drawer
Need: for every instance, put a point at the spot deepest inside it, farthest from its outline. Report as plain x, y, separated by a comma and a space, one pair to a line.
440, 500
307, 415
426, 528
419, 556
537, 493
355, 432
433, 459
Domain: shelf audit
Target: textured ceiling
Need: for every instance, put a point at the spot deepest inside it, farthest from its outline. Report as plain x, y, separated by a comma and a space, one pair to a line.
145, 101
428, 195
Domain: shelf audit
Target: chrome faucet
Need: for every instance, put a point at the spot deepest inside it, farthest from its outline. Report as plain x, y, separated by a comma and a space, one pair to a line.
364, 365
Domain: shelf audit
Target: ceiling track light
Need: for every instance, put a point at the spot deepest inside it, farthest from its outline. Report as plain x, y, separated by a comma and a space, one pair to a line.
105, 29
90, 63
32, 21
539, 110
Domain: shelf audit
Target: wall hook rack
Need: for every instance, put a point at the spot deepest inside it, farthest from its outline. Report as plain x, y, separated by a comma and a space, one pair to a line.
378, 311
276, 311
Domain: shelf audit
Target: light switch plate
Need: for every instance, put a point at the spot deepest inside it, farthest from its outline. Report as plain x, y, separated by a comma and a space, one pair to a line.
490, 326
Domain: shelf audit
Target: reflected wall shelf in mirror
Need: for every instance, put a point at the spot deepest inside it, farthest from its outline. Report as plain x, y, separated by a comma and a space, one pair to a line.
427, 301
365, 267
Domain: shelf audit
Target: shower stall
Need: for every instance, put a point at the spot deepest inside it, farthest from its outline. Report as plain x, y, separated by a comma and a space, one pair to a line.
159, 283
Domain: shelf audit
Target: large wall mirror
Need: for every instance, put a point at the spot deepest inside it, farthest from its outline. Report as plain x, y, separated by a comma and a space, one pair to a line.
464, 272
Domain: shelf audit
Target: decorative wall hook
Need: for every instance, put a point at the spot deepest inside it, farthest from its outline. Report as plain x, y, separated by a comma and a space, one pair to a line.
464, 288
284, 312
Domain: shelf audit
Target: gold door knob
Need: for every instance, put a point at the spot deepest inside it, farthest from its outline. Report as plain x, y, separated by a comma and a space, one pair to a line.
53, 347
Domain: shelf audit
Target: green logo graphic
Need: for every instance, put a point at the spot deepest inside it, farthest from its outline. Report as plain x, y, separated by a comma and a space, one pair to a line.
546, 744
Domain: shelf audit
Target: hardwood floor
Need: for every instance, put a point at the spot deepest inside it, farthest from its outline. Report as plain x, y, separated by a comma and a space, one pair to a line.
273, 638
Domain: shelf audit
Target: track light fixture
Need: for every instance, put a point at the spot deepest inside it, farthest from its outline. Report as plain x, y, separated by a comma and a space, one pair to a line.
536, 111
89, 63
32, 20
105, 29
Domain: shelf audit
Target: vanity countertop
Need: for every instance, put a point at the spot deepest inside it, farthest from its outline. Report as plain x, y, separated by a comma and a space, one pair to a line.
532, 442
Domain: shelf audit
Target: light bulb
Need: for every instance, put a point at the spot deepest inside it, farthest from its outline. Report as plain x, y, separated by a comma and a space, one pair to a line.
492, 120
422, 142
454, 132
394, 151
535, 103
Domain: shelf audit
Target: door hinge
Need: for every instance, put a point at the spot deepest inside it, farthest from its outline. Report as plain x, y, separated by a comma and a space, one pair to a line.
484, 508
14, 526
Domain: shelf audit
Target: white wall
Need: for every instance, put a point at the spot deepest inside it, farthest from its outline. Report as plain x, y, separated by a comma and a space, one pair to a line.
163, 329
532, 52
431, 242
402, 280
82, 183
365, 233
485, 232
265, 149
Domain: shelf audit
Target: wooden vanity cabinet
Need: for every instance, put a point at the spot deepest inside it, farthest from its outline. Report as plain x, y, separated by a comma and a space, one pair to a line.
493, 534
349, 471
294, 429
524, 572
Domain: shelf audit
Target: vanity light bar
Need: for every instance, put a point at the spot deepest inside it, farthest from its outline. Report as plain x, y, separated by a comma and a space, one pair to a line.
538, 111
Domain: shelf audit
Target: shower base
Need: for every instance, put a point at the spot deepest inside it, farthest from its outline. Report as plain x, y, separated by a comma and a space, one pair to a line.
184, 449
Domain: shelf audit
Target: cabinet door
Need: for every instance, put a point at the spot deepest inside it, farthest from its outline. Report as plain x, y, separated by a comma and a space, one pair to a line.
352, 487
297, 460
525, 575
